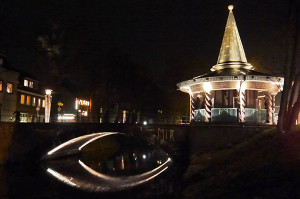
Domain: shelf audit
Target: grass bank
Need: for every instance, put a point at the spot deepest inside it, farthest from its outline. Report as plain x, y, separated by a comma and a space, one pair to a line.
266, 165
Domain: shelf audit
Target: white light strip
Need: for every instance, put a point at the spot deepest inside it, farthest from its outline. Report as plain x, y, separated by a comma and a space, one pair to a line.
78, 139
93, 139
61, 177
126, 182
68, 143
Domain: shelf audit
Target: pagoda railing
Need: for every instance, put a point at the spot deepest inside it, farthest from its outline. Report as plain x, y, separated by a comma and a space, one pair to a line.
199, 115
255, 115
231, 115
224, 114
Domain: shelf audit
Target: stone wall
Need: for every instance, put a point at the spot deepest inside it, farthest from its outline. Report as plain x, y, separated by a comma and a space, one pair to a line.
6, 134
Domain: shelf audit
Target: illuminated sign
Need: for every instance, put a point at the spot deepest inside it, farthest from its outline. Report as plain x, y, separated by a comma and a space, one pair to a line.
83, 107
81, 102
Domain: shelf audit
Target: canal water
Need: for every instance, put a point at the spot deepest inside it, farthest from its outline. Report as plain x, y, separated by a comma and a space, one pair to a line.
114, 166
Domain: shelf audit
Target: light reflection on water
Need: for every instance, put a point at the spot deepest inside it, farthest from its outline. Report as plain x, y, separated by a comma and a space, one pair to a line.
108, 164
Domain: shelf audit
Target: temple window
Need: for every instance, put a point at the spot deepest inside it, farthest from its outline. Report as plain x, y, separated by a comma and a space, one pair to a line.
9, 87
28, 100
30, 84
33, 101
22, 99
26, 82
39, 102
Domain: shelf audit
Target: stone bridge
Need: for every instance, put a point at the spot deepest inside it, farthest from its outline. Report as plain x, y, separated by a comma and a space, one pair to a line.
30, 141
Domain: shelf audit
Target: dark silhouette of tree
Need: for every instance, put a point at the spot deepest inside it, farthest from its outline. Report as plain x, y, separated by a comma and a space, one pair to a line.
290, 102
128, 85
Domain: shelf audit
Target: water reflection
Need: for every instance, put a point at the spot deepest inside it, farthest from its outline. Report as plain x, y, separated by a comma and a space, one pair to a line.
109, 163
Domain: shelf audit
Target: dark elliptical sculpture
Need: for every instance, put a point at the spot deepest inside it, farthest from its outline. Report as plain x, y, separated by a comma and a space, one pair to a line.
233, 91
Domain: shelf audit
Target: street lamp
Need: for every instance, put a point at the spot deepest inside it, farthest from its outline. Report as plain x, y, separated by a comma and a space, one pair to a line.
48, 99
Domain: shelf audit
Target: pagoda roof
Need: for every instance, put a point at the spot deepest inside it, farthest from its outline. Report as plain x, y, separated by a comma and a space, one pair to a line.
232, 54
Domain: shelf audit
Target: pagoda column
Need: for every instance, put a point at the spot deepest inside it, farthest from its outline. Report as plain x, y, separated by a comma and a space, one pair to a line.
207, 106
193, 100
269, 107
242, 104
274, 122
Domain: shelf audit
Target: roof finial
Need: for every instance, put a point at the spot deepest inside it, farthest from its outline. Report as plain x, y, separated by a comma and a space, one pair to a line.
232, 54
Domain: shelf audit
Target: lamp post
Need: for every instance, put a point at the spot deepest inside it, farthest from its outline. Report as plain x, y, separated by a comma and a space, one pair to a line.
48, 99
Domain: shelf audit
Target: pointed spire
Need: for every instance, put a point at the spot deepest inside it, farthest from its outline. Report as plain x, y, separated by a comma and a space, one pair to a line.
232, 54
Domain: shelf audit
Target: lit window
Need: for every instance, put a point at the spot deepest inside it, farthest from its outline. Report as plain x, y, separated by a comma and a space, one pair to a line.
84, 113
33, 101
30, 84
0, 85
9, 88
22, 100
26, 82
28, 98
39, 102
43, 103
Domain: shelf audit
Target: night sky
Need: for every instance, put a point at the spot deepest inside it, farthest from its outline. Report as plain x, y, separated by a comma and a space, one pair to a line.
155, 42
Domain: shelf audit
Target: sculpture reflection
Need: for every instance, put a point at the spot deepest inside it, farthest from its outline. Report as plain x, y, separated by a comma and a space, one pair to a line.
110, 163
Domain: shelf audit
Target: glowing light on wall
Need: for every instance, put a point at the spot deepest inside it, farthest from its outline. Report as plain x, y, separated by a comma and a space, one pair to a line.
48, 91
207, 87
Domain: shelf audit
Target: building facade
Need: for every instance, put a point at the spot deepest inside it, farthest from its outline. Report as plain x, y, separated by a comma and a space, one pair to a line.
21, 99
233, 91
8, 93
30, 100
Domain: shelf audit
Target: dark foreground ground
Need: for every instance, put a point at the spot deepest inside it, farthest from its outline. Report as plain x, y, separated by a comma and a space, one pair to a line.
266, 165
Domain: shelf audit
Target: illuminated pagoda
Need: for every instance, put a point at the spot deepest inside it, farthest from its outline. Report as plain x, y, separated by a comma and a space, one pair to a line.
233, 91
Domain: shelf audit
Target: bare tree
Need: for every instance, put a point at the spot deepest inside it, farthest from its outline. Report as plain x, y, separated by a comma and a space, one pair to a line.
290, 102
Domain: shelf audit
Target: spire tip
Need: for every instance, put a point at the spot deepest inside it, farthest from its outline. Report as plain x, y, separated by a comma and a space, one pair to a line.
230, 7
